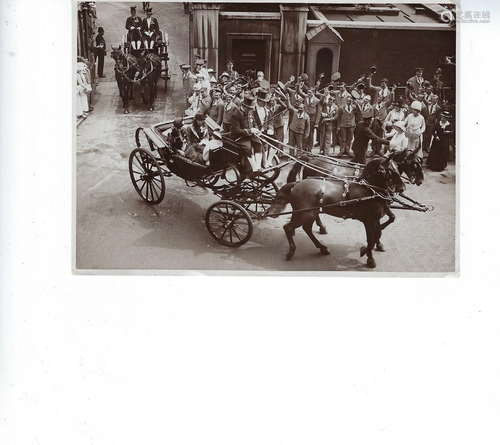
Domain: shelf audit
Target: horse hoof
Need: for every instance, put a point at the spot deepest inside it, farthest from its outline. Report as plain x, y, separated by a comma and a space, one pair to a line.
289, 255
324, 250
125, 111
380, 247
151, 108
371, 263
362, 251
323, 231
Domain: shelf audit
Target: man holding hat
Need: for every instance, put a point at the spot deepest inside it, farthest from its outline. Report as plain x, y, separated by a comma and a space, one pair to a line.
151, 29
438, 85
244, 131
134, 25
362, 135
382, 91
299, 126
341, 95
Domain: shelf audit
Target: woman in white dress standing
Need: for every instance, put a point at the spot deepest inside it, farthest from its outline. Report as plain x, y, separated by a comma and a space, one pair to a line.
415, 127
82, 90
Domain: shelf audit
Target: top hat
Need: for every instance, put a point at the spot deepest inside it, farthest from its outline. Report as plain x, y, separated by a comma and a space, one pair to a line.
132, 9
262, 95
249, 101
100, 29
148, 10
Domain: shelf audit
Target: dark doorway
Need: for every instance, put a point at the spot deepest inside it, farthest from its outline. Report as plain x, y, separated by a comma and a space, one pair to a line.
324, 60
249, 54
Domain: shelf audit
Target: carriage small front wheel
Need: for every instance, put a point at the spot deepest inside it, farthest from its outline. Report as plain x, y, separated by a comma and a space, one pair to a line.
229, 223
146, 175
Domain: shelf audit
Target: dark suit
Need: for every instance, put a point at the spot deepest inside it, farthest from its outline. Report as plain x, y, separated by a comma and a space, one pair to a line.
363, 135
101, 52
133, 22
151, 31
430, 122
241, 124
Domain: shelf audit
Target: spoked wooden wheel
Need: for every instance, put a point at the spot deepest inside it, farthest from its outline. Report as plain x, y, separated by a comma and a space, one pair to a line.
146, 175
261, 199
229, 223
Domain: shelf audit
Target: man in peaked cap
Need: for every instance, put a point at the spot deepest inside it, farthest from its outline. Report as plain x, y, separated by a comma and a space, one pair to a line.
134, 26
151, 29
438, 85
362, 135
244, 131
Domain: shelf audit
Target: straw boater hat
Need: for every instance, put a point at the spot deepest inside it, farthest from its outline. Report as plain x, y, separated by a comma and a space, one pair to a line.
446, 114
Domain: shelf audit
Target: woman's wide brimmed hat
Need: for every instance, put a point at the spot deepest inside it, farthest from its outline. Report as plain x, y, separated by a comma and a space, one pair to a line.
400, 125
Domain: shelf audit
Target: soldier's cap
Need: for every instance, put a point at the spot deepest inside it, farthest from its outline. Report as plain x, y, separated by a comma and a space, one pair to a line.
200, 62
224, 74
185, 67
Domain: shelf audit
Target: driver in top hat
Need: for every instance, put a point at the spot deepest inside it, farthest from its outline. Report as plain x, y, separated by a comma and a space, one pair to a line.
151, 29
134, 25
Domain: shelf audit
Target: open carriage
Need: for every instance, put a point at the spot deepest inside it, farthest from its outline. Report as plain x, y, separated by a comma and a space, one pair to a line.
229, 221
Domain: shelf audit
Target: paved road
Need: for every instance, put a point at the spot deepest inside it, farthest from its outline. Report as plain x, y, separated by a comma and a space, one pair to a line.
116, 230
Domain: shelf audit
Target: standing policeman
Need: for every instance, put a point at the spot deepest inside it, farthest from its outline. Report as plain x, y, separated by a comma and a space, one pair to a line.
101, 51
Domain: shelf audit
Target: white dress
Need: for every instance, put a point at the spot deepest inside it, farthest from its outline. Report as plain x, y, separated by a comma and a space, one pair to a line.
82, 90
415, 126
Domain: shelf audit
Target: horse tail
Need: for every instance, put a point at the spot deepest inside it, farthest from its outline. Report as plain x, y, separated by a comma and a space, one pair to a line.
280, 201
292, 175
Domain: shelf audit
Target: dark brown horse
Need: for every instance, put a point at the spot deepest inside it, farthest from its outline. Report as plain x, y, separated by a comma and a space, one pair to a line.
366, 201
126, 68
129, 70
409, 164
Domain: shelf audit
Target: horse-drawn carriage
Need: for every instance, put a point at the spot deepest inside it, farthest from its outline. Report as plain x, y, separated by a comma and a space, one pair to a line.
243, 196
334, 187
160, 49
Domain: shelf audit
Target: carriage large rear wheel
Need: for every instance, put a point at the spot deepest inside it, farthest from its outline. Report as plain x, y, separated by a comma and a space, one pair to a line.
229, 223
146, 175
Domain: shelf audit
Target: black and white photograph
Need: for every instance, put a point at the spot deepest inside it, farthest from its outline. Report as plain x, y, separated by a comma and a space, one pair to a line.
269, 138
249, 223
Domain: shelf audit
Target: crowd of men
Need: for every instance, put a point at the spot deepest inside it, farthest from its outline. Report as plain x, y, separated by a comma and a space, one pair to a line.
296, 116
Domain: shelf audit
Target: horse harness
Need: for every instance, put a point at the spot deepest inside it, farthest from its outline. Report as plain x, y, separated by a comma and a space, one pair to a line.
133, 62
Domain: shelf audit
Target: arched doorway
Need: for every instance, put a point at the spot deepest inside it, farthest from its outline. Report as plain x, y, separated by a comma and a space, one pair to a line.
324, 60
